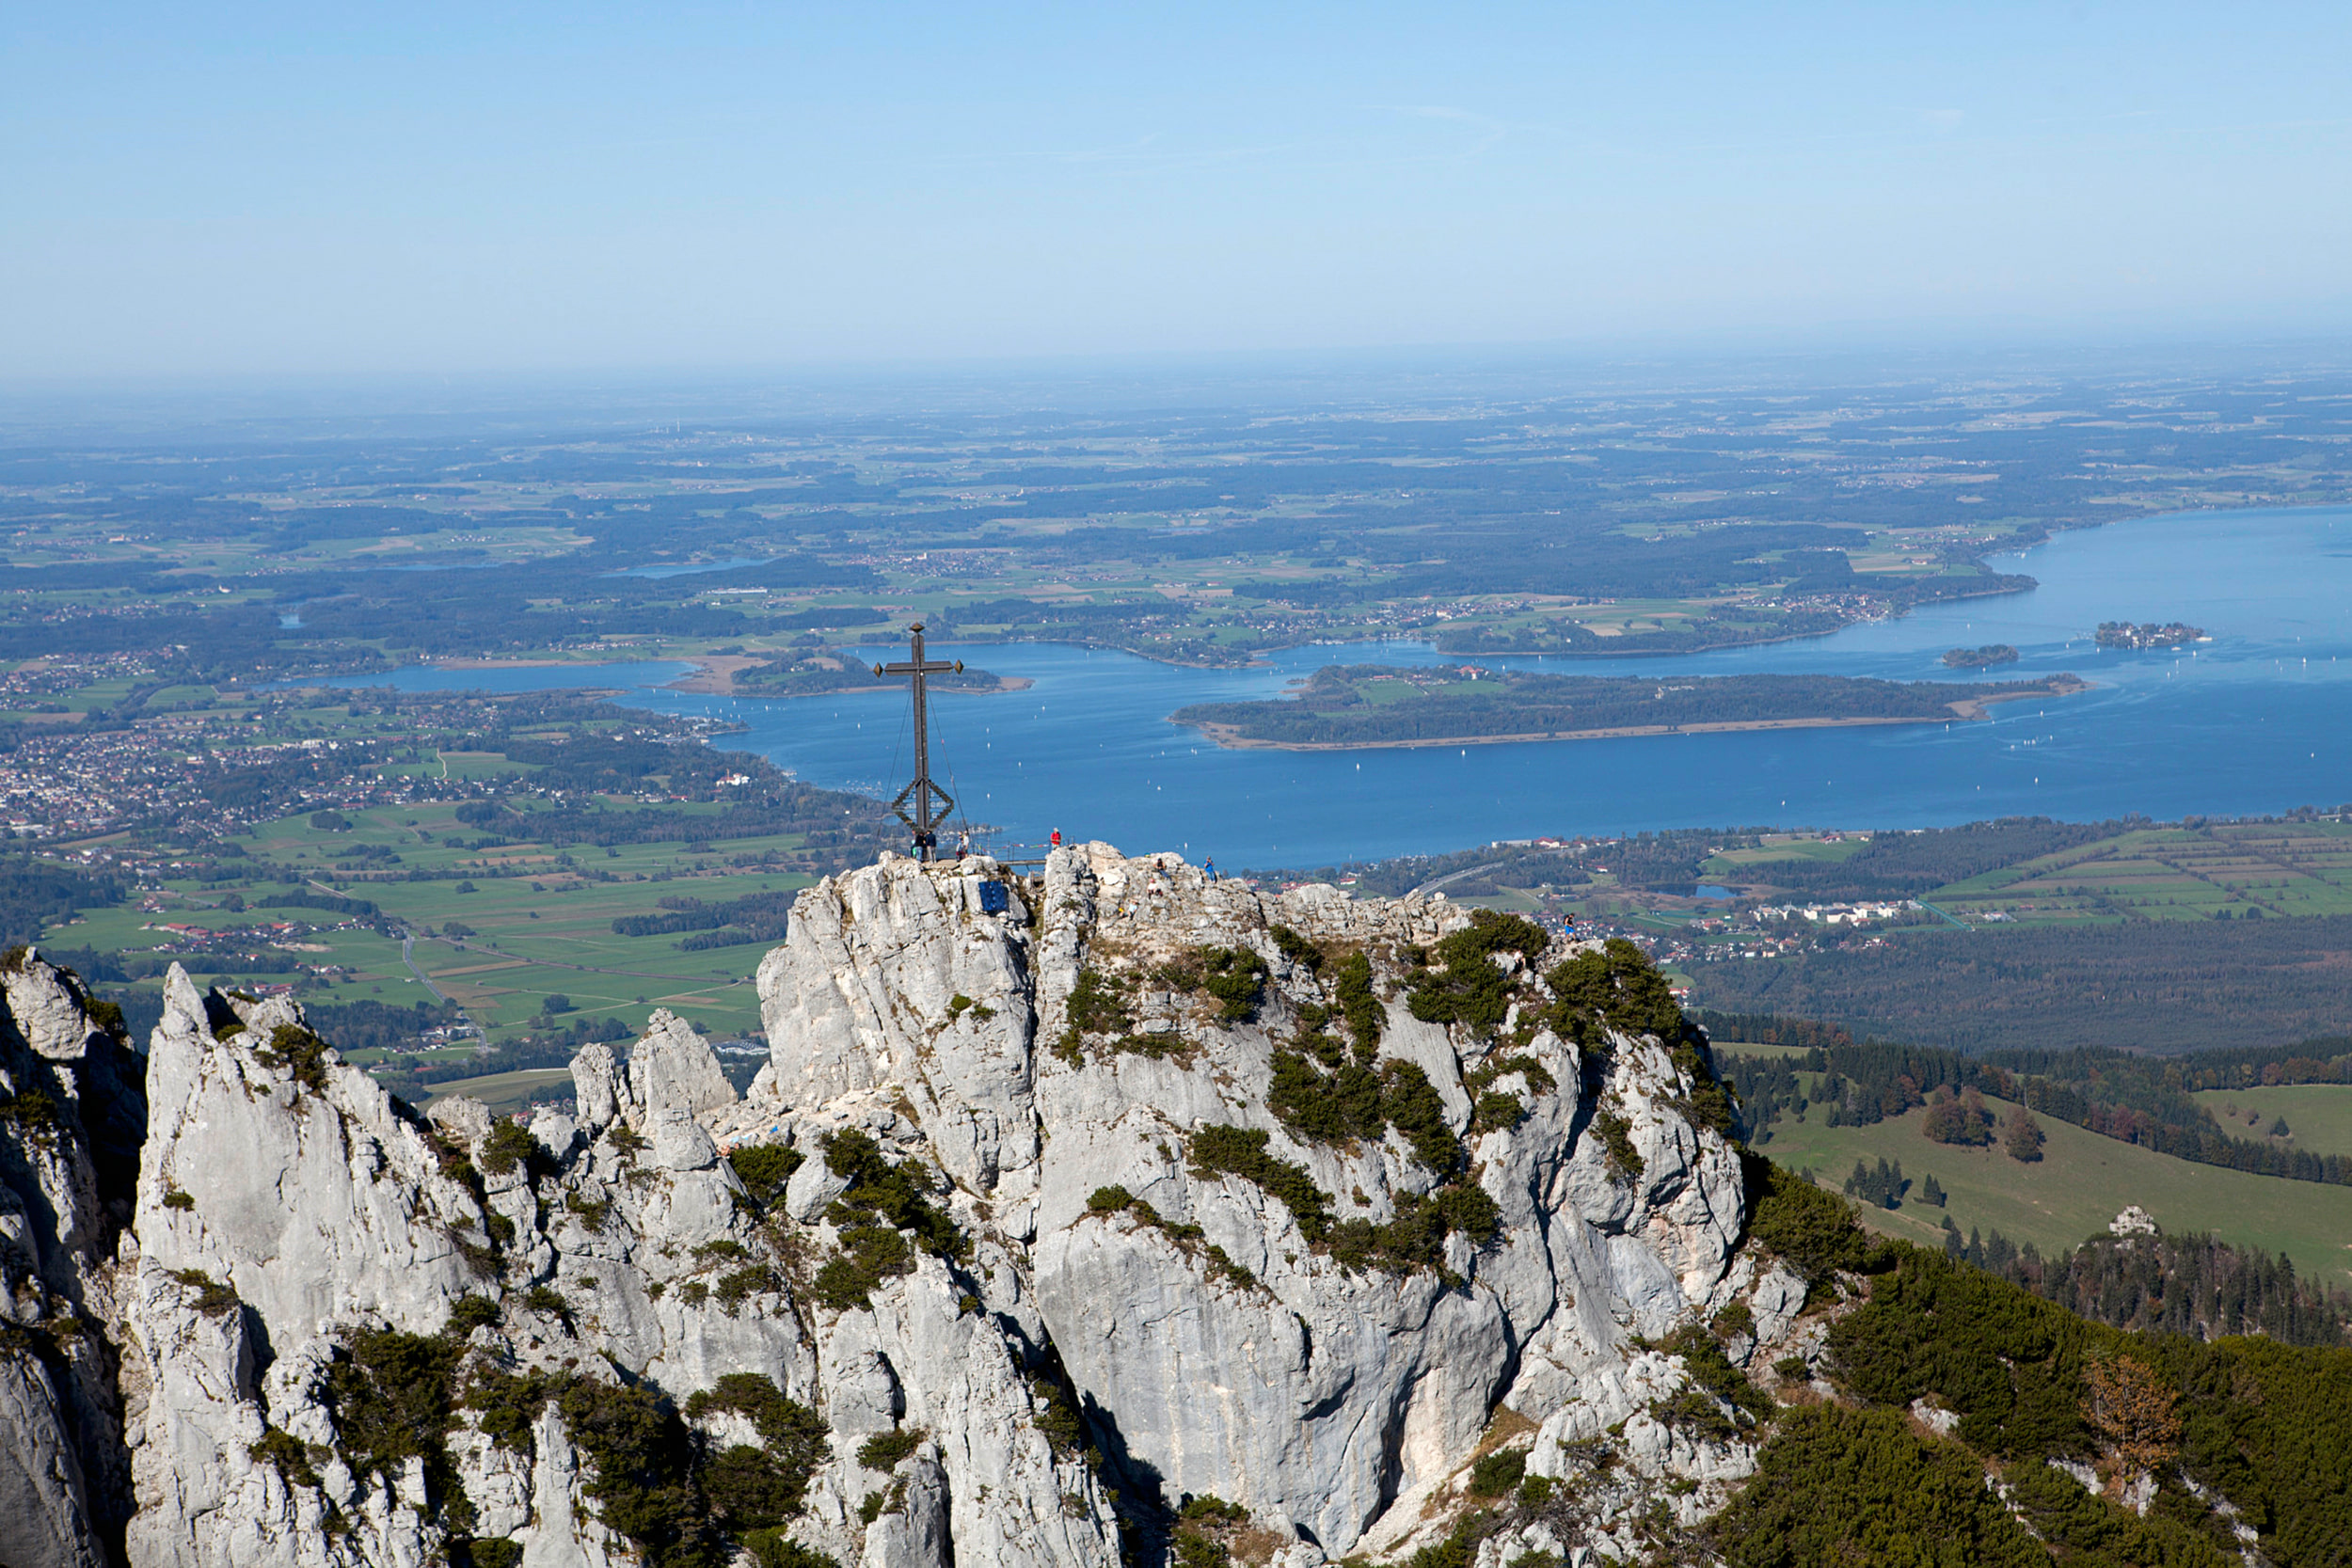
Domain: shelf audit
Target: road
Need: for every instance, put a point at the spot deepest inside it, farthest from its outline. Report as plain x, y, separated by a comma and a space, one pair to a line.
1435, 883
408, 942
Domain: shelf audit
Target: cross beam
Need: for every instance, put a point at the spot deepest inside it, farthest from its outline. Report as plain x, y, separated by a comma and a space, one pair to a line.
931, 803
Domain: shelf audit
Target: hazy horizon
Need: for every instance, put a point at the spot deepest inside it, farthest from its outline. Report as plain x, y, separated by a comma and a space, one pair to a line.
1404, 382
722, 191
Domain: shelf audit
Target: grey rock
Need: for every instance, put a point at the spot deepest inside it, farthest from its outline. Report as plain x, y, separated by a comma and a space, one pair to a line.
812, 1188
672, 1068
285, 1208
679, 1142
864, 995
64, 1208
554, 1132
596, 1087
46, 1515
465, 1121
913, 1533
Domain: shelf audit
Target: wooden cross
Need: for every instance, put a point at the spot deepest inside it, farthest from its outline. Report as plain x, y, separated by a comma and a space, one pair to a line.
931, 803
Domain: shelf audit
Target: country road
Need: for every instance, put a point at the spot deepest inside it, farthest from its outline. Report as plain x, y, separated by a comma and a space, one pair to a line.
407, 943
1435, 883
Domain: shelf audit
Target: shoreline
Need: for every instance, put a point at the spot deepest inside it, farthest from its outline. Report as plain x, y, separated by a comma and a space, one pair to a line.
1720, 645
1965, 710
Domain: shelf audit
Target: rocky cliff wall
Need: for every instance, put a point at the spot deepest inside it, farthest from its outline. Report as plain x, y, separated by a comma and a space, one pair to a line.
1036, 1228
71, 1115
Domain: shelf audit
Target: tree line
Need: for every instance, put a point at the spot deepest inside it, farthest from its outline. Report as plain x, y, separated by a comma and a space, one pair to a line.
2193, 1285
724, 923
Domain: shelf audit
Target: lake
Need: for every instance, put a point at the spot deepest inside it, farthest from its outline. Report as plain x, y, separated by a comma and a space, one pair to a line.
2257, 721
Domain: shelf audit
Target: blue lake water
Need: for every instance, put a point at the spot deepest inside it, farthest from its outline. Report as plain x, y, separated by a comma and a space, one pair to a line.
2259, 719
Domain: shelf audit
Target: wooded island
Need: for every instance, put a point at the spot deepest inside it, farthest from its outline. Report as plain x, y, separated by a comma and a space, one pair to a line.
1381, 705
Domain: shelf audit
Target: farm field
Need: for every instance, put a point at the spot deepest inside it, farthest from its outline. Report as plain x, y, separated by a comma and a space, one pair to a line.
1781, 848
504, 1092
499, 930
2081, 1183
2264, 870
2318, 1116
2277, 869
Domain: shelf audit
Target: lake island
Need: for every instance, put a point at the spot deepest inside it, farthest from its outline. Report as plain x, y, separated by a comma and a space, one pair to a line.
2125, 634
1344, 706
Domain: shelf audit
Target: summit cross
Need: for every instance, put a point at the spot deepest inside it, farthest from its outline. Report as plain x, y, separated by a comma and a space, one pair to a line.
931, 803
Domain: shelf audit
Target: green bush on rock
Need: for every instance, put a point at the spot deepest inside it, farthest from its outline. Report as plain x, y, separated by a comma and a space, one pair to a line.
883, 1216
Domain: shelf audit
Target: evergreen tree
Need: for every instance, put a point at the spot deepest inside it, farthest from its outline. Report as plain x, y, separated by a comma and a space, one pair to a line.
1884, 1185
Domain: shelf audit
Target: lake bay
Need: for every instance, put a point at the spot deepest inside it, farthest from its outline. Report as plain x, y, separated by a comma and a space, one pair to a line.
2258, 720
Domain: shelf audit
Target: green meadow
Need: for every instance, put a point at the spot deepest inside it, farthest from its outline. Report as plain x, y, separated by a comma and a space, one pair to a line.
499, 930
1756, 862
2318, 1116
2279, 869
2081, 1183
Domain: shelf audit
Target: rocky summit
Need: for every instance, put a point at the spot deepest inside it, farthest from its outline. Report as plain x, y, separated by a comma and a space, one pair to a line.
1127, 1216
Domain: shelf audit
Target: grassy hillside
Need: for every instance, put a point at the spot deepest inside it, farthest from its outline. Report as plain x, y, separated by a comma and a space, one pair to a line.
2080, 1183
2318, 1116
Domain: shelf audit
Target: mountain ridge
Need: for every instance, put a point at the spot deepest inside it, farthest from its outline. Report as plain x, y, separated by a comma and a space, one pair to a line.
1130, 1216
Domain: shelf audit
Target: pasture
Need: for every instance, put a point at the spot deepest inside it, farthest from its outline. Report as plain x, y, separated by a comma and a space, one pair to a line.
2081, 1183
2318, 1116
498, 928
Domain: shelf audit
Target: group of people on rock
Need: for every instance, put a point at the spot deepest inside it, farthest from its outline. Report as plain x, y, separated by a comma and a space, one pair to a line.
930, 841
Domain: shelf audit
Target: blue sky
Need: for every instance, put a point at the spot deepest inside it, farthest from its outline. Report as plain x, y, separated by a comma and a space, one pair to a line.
194, 190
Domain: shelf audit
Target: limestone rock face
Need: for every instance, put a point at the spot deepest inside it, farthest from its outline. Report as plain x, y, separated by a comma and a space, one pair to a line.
673, 1069
346, 1233
70, 1108
1337, 1400
897, 976
1219, 1343
1141, 1183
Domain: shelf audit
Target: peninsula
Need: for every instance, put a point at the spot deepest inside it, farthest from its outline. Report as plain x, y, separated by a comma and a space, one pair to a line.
1363, 706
